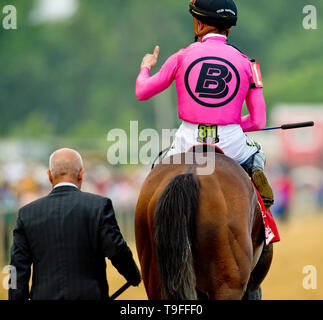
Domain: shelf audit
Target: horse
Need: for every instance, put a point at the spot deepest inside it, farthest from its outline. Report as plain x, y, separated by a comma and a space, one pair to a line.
200, 236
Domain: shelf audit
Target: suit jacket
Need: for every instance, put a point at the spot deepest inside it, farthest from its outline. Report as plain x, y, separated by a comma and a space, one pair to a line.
66, 237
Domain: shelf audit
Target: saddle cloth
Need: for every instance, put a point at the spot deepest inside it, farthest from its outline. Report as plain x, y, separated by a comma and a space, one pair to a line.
271, 231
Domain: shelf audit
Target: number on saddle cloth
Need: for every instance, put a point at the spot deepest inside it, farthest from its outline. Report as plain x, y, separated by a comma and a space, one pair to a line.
208, 134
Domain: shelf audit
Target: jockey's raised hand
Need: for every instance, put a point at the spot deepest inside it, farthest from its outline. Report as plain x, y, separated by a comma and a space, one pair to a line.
150, 60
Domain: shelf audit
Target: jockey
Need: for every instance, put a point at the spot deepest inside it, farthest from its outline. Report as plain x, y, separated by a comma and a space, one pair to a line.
213, 79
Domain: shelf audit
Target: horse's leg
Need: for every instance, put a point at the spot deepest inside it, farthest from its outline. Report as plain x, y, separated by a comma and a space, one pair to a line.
224, 281
261, 263
253, 291
258, 274
224, 265
231, 284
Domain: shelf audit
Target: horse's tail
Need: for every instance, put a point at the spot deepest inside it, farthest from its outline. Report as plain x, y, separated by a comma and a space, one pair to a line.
174, 237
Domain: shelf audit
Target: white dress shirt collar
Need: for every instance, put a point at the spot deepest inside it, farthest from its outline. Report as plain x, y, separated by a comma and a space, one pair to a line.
64, 184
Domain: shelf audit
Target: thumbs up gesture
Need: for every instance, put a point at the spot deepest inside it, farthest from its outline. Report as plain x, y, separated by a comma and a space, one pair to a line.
150, 60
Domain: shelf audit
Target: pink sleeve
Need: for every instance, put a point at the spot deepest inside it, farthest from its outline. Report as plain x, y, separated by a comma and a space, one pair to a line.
256, 119
147, 87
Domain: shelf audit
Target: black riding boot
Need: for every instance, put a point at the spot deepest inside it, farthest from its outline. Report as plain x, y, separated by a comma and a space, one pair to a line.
260, 181
255, 168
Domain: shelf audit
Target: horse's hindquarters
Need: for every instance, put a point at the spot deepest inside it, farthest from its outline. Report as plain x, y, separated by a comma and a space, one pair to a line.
224, 249
223, 239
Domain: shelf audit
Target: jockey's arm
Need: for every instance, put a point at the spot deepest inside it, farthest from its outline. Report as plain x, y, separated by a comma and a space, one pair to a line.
147, 87
256, 119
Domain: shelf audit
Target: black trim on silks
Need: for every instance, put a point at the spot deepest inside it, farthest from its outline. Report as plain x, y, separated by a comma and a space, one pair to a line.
231, 45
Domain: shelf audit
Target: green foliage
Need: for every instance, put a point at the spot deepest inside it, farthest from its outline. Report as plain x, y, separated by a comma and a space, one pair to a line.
77, 77
34, 126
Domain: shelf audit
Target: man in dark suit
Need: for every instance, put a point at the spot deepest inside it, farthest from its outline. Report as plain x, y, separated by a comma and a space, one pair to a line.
66, 236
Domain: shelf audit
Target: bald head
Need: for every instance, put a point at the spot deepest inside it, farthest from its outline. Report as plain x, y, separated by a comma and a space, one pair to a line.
65, 165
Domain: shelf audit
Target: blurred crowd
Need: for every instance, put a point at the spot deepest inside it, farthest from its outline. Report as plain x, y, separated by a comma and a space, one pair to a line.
24, 181
296, 189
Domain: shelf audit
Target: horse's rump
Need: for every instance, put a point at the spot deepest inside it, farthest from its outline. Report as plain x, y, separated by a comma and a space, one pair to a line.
200, 230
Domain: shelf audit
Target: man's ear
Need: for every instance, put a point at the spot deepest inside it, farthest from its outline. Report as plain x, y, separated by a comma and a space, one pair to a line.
50, 177
80, 175
200, 26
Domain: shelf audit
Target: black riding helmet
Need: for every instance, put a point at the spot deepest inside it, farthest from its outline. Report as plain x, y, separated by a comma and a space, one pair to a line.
217, 13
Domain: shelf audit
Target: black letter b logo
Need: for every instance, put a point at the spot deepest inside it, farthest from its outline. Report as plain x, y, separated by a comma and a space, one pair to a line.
213, 80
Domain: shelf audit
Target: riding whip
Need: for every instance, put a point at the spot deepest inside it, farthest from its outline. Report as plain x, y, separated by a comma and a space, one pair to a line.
120, 291
291, 126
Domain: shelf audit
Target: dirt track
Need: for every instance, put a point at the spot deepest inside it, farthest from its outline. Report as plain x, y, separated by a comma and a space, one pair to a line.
301, 245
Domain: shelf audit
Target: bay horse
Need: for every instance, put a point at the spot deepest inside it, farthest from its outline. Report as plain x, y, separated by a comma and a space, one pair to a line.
200, 236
